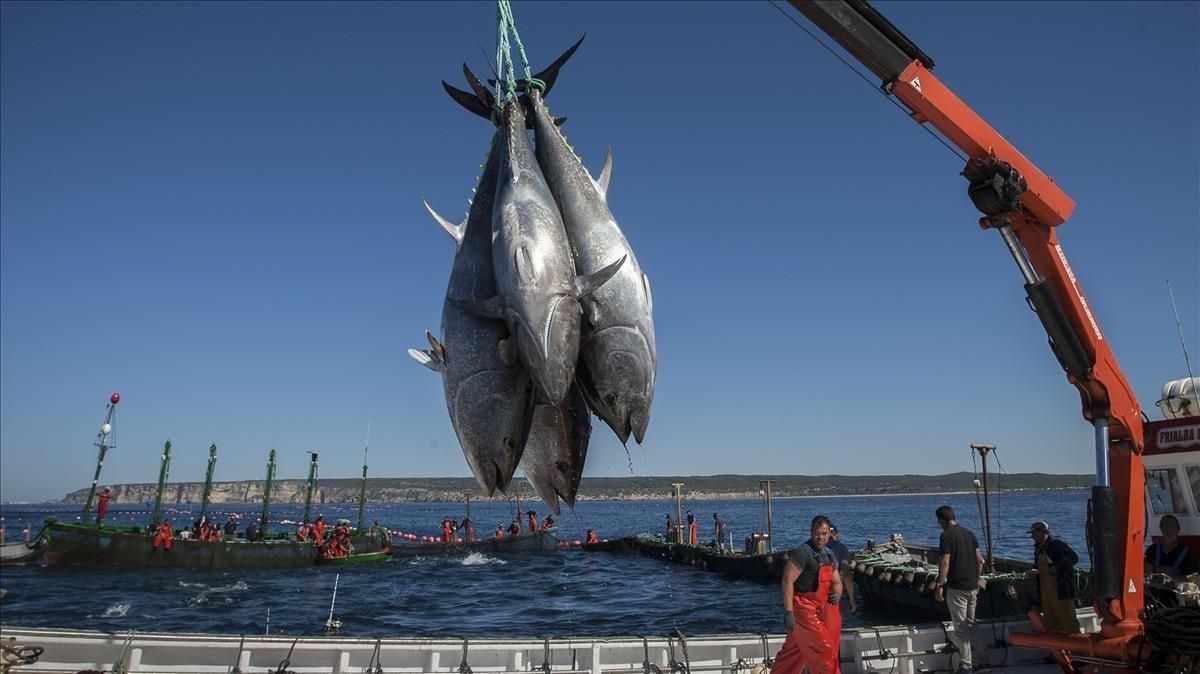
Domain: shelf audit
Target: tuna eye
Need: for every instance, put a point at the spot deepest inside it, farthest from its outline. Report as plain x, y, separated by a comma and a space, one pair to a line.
610, 398
562, 466
508, 442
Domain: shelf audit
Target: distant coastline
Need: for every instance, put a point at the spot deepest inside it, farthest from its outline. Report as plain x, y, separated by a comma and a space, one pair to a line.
648, 488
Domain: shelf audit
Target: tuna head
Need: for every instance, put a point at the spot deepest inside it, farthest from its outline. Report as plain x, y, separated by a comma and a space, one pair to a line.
617, 373
491, 415
557, 448
549, 342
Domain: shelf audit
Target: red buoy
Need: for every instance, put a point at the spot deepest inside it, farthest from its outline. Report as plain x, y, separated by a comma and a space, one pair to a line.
116, 398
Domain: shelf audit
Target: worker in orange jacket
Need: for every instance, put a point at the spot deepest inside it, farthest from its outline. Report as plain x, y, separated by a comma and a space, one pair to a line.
318, 530
163, 537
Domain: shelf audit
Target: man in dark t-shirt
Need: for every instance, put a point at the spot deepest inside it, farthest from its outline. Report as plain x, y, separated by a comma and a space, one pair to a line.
842, 554
959, 565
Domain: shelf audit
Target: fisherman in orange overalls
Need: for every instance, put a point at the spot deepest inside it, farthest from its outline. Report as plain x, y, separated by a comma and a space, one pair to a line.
446, 531
318, 530
533, 521
693, 529
592, 537
469, 527
102, 503
812, 591
163, 537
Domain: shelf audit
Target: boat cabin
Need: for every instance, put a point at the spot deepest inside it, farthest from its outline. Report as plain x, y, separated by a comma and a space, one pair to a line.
1172, 463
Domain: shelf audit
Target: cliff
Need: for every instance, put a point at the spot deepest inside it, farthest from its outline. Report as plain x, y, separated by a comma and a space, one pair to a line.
716, 487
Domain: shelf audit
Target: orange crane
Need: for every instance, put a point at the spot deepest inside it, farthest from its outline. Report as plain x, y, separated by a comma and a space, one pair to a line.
1024, 206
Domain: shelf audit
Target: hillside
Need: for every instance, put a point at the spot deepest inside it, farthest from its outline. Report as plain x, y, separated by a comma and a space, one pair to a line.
440, 489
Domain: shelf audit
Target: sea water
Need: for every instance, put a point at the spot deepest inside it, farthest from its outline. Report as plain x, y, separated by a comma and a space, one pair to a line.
552, 594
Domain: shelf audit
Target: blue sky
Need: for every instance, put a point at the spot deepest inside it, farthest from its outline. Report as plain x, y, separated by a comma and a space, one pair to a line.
214, 208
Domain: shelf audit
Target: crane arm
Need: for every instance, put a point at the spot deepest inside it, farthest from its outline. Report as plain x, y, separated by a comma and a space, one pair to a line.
1025, 205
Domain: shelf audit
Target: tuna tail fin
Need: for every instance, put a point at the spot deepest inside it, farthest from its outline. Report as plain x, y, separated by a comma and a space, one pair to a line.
605, 175
586, 285
550, 75
481, 92
468, 100
427, 359
455, 231
482, 104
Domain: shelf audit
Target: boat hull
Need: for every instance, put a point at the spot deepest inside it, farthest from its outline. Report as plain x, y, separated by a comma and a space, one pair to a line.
19, 552
358, 558
75, 545
81, 545
542, 541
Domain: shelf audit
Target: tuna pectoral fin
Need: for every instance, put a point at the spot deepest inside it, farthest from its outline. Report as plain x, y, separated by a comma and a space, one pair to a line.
426, 358
586, 285
605, 176
455, 231
492, 307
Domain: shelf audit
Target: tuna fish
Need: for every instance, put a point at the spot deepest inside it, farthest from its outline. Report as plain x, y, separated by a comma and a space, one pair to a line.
535, 276
556, 449
488, 393
619, 360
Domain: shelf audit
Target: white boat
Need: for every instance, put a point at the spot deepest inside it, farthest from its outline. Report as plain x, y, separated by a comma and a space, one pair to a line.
899, 650
19, 552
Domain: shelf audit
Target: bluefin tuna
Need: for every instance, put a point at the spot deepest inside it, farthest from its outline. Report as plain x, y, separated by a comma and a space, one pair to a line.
619, 359
488, 394
556, 449
538, 290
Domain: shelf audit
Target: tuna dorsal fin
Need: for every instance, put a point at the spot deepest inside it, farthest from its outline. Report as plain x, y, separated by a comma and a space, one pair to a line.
426, 358
455, 231
436, 349
586, 285
492, 307
468, 100
605, 175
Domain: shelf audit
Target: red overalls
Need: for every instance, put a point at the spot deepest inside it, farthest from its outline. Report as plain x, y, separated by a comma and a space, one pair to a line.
694, 533
163, 537
470, 527
814, 640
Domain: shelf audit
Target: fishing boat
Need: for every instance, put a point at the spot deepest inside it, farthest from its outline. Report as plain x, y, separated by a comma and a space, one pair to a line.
91, 541
908, 649
356, 558
20, 552
900, 579
540, 541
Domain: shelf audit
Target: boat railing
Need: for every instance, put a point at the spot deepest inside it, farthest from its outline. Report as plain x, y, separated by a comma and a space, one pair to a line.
899, 649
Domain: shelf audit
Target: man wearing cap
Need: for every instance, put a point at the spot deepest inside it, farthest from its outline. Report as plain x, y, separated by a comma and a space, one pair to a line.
959, 564
1055, 561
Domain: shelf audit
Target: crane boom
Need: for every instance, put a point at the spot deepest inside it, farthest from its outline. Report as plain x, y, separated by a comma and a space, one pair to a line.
1025, 205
